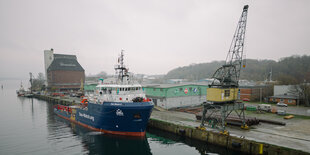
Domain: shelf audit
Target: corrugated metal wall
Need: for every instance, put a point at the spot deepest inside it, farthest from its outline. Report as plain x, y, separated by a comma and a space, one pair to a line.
186, 90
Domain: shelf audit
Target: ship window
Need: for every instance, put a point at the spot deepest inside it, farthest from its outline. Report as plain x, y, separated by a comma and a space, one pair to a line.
227, 93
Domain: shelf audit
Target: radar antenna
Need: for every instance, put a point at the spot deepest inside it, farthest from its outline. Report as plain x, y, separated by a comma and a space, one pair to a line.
121, 69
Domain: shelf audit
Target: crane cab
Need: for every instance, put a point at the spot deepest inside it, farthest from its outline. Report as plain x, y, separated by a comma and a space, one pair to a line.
222, 95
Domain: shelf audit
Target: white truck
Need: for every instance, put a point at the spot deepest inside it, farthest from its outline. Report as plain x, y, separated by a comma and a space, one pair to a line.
264, 107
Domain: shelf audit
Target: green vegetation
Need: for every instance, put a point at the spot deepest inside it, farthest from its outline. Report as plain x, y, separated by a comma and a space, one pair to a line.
301, 117
272, 115
38, 82
258, 103
288, 70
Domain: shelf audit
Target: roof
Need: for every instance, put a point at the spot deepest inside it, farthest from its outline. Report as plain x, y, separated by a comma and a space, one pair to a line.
173, 85
118, 86
65, 62
285, 96
66, 56
255, 86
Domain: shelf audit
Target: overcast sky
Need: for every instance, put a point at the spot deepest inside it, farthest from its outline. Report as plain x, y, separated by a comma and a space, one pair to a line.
157, 35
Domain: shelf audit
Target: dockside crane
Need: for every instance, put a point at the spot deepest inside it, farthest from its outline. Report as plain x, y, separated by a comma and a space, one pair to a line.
222, 93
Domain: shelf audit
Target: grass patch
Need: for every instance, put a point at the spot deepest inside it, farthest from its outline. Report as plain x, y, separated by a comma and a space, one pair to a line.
271, 103
301, 117
259, 103
251, 113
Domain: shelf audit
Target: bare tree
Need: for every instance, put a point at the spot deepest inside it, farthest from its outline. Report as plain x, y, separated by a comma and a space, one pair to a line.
302, 91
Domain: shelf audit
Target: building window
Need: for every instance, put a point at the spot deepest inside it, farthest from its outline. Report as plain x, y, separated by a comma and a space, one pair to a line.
281, 100
190, 88
227, 93
290, 101
161, 89
181, 89
154, 89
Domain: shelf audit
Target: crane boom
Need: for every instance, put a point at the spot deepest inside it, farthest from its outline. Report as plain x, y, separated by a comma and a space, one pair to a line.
227, 76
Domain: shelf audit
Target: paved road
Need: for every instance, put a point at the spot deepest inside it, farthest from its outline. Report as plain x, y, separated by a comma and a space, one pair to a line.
290, 109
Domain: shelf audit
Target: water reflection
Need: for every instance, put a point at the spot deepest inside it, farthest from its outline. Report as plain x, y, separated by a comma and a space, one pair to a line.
166, 138
98, 143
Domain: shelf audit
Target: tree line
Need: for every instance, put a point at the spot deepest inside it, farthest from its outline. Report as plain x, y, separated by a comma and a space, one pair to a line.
289, 70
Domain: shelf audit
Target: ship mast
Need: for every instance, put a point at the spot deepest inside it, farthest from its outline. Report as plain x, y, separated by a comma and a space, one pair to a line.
121, 69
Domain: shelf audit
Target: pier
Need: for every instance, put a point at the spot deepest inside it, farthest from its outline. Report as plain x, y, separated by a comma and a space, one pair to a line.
256, 141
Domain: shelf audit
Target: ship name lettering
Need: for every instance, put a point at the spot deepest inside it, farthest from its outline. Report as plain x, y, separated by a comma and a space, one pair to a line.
116, 104
87, 116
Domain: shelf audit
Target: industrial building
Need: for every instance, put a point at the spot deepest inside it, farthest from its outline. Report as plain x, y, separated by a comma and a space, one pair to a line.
63, 72
285, 98
285, 94
170, 96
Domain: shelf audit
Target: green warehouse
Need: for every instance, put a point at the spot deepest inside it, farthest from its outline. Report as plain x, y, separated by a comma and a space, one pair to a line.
170, 96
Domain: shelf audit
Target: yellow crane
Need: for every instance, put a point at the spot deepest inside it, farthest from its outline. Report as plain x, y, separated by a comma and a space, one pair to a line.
222, 93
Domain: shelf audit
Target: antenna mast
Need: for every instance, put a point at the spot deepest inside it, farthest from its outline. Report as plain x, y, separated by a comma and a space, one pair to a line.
121, 69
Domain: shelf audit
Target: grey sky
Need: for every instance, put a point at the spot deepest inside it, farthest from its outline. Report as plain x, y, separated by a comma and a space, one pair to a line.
157, 35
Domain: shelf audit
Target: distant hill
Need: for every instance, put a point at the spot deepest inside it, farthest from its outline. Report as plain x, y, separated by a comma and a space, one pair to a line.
288, 70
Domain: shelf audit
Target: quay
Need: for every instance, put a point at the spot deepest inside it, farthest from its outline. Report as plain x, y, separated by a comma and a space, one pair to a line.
254, 141
58, 99
265, 139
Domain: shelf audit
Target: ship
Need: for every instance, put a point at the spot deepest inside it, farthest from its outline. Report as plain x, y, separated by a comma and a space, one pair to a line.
21, 91
119, 107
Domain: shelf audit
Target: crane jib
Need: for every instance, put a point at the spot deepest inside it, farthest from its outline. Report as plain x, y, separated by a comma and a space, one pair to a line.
227, 76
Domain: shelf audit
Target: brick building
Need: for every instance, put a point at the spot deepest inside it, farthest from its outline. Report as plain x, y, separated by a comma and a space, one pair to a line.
63, 72
284, 94
285, 98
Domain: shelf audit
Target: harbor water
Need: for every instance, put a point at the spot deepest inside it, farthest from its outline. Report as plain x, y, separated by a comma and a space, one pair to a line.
29, 126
